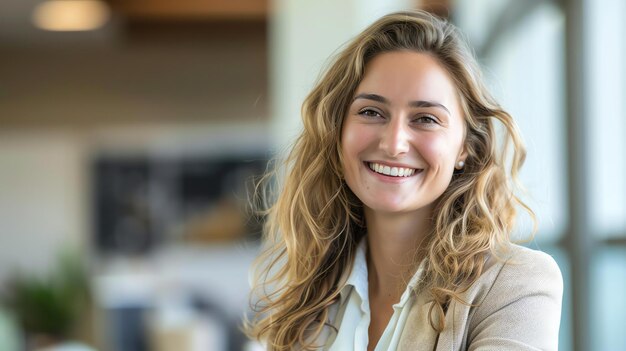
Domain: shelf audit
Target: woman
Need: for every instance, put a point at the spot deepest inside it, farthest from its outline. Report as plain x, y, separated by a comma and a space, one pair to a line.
391, 231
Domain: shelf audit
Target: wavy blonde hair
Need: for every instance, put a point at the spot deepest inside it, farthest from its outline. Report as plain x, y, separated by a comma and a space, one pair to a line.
314, 221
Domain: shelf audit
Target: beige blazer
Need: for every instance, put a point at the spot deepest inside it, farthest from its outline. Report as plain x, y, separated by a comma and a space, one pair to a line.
516, 305
518, 308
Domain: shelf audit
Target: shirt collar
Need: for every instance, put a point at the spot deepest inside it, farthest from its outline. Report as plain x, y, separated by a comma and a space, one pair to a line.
412, 285
358, 276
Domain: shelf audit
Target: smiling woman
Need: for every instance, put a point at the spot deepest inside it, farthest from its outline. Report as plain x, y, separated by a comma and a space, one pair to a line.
397, 122
392, 228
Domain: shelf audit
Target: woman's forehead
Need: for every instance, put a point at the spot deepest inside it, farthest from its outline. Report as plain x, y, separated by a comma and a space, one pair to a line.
404, 76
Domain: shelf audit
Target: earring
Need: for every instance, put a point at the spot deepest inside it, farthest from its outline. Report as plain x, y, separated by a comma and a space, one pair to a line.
460, 165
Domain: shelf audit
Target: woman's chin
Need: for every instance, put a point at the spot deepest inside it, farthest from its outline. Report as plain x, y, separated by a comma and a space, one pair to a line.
388, 207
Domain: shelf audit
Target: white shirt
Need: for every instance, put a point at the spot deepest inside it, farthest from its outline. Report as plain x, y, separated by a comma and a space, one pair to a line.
354, 323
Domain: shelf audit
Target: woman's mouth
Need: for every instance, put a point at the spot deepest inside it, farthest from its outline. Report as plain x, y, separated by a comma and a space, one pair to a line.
392, 171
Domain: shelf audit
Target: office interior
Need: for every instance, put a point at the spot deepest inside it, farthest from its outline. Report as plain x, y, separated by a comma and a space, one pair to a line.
132, 133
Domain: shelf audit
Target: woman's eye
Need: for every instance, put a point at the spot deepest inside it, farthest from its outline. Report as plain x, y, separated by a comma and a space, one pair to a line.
426, 120
369, 113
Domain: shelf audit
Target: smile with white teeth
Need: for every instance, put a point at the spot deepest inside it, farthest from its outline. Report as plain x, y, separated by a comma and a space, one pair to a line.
391, 171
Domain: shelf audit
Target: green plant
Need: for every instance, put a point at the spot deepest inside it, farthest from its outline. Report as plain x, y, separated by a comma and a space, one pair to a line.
49, 305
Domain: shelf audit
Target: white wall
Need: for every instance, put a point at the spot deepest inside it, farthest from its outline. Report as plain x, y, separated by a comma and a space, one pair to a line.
43, 205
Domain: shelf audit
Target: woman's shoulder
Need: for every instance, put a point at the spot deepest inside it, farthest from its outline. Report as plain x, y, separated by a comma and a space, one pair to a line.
517, 270
522, 264
515, 303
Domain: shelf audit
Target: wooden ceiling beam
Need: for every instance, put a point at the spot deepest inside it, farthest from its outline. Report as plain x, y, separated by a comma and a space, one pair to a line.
191, 9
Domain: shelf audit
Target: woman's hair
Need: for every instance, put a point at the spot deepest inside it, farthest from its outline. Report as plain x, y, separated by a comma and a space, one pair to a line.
314, 221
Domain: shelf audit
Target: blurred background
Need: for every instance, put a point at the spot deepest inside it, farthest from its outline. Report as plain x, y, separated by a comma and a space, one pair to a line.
130, 132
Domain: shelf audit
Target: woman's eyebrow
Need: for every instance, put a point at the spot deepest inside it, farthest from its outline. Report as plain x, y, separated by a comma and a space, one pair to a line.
424, 103
417, 103
373, 97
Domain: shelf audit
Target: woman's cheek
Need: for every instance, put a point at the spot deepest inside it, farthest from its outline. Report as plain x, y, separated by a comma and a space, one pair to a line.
358, 137
433, 148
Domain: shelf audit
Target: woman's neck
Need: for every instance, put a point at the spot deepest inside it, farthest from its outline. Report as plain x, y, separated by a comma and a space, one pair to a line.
393, 240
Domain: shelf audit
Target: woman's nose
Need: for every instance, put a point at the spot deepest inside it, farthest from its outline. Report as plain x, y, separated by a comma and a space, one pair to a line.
395, 139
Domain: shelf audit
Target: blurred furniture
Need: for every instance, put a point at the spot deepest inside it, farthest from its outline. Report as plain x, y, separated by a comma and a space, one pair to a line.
190, 296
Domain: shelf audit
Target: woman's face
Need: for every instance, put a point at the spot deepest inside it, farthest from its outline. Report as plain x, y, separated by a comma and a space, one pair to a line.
403, 133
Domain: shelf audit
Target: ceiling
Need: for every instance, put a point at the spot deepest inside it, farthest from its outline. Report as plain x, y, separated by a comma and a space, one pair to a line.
16, 28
